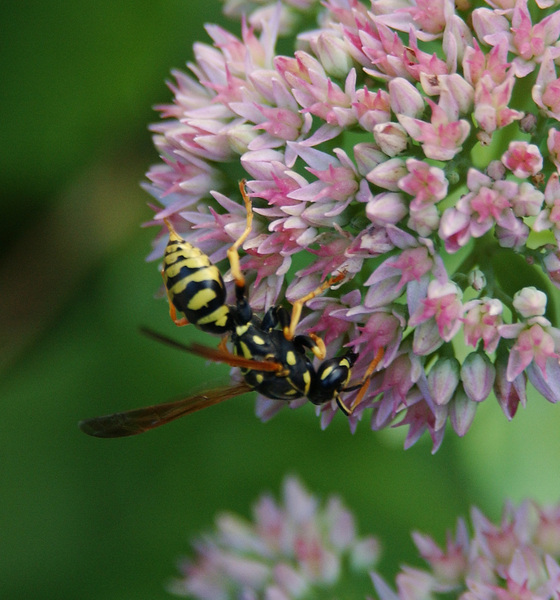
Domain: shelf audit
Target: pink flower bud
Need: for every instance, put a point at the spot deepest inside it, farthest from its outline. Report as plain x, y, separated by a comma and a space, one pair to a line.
405, 98
385, 208
477, 374
461, 412
367, 156
333, 54
387, 174
443, 379
391, 138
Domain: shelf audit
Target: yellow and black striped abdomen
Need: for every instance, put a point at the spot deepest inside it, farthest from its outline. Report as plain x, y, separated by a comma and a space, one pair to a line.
195, 286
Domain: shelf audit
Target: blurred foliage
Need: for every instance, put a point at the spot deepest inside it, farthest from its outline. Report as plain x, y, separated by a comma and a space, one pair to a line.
107, 519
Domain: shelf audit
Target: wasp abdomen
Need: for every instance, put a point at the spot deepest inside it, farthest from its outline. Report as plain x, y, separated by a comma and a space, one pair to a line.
195, 286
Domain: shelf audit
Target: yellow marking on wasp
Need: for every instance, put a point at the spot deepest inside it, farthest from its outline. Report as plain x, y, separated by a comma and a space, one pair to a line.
245, 350
290, 358
306, 381
190, 262
241, 329
327, 372
201, 299
219, 316
210, 273
175, 253
258, 340
259, 378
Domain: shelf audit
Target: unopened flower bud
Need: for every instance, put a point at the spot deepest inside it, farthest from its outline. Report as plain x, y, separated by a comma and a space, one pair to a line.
461, 412
333, 54
387, 174
477, 375
530, 302
477, 280
368, 156
405, 98
443, 379
391, 137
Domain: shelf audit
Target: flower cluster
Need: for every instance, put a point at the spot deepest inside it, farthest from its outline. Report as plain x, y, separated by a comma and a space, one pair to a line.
413, 146
299, 550
516, 559
289, 551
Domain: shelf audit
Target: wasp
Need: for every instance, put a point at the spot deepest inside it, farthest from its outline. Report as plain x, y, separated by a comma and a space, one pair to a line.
274, 360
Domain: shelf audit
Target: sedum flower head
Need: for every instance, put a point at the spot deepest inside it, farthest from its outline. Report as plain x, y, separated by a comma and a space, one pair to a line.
410, 145
299, 550
516, 558
290, 550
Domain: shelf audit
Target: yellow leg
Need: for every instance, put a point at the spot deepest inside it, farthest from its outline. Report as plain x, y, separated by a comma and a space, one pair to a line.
319, 350
365, 382
232, 253
172, 310
222, 346
173, 314
290, 331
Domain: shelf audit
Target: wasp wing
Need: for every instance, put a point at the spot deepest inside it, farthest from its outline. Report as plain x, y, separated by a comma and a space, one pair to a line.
139, 420
215, 354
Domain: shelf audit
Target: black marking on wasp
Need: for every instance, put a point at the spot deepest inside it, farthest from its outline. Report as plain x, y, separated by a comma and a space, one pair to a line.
273, 360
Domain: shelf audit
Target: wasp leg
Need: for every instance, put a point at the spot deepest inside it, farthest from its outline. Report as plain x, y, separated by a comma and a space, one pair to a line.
348, 410
222, 346
314, 343
290, 331
232, 253
172, 310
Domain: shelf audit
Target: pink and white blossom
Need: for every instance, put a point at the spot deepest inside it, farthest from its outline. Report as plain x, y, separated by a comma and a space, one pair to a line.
516, 558
287, 550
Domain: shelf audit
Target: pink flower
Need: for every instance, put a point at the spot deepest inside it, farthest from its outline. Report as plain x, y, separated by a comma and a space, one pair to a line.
531, 41
536, 341
527, 41
476, 64
491, 101
482, 319
523, 159
546, 90
441, 139
532, 344
288, 549
425, 183
511, 559
549, 216
443, 304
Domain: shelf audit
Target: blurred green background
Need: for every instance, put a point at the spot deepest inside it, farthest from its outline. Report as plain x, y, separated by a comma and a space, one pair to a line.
108, 519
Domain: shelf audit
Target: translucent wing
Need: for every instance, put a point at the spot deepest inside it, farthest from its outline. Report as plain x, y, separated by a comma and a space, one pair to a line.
215, 354
139, 420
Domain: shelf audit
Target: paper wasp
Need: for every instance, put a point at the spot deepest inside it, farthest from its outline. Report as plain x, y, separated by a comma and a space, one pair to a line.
274, 360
